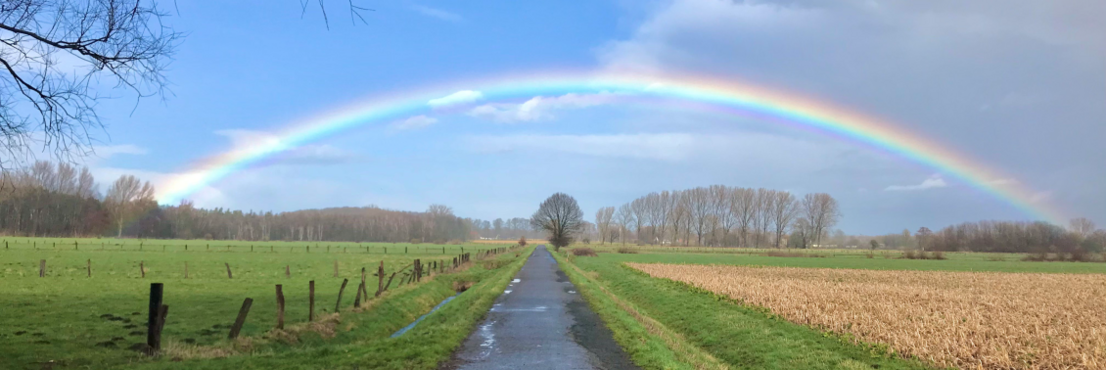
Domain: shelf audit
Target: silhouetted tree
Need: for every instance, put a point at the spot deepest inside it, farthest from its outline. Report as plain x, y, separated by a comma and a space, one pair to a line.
560, 217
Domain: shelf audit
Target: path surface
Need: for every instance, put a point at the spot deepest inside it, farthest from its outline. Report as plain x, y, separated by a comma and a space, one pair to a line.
540, 322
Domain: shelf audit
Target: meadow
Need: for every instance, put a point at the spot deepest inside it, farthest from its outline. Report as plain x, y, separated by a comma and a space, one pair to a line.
720, 330
68, 319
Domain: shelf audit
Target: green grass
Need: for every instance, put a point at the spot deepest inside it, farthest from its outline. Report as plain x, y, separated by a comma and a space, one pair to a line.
740, 336
58, 317
649, 343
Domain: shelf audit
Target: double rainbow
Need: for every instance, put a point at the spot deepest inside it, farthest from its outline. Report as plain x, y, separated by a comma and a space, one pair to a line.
727, 95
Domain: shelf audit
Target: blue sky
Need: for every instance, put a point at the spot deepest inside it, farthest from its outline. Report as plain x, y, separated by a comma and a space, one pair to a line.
1016, 84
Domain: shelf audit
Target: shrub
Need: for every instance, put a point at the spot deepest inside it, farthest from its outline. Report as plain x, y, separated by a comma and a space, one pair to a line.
416, 241
583, 252
626, 250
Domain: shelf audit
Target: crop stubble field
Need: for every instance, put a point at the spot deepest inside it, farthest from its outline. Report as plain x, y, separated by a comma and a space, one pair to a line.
964, 319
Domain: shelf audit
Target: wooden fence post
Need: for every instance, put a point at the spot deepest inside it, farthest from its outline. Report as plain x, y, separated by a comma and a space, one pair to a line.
340, 290
357, 300
229, 276
142, 268
311, 300
153, 332
380, 279
364, 289
280, 306
241, 319
42, 268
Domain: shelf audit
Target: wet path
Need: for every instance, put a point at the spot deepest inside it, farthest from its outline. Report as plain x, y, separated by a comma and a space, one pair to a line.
540, 322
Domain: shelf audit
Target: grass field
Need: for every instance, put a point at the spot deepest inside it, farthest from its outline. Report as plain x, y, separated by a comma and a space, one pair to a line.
746, 335
63, 317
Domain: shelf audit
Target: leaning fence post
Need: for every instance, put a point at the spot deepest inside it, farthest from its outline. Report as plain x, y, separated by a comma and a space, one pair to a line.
42, 268
280, 306
241, 319
340, 290
357, 300
311, 300
229, 276
153, 332
364, 289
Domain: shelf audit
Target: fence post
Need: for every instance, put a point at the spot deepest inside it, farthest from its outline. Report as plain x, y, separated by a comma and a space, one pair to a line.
153, 332
380, 279
241, 319
42, 268
229, 276
311, 300
142, 268
287, 271
357, 300
340, 290
90, 268
280, 306
364, 288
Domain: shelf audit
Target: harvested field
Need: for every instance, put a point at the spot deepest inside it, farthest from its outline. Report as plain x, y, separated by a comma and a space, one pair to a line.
963, 319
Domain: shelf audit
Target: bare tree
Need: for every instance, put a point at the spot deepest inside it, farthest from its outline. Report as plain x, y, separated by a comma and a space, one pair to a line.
743, 207
560, 217
625, 218
126, 198
640, 217
700, 207
1082, 226
59, 54
821, 213
783, 213
603, 221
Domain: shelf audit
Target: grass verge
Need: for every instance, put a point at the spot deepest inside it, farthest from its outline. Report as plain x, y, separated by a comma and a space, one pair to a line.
649, 343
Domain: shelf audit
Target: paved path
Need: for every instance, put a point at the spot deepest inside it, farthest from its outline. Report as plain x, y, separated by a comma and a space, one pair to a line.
540, 322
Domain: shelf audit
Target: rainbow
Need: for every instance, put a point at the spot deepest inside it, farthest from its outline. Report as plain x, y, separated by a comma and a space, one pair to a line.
728, 95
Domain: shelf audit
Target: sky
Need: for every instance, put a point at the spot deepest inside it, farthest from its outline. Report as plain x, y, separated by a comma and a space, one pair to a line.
1016, 85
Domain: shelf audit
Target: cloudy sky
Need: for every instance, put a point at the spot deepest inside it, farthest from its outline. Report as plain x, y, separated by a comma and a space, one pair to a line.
1017, 85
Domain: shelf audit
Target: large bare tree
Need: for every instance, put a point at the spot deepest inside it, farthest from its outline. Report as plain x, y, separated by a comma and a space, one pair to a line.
560, 217
603, 221
60, 57
821, 213
126, 197
783, 213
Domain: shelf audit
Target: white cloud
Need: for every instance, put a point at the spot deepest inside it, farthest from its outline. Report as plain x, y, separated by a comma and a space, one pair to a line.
437, 13
460, 97
538, 107
415, 122
932, 182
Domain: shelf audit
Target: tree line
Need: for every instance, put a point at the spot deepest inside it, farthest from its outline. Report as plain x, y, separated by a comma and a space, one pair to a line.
60, 200
721, 215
